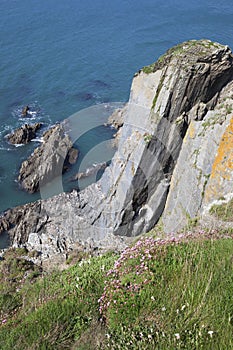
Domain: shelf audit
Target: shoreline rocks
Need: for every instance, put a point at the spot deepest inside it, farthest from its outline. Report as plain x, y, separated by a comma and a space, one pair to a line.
24, 134
26, 228
48, 161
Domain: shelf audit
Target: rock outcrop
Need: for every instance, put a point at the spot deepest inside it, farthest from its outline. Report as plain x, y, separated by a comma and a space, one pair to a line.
47, 161
24, 134
117, 118
174, 157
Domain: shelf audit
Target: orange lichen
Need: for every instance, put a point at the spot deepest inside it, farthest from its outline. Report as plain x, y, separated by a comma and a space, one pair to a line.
222, 169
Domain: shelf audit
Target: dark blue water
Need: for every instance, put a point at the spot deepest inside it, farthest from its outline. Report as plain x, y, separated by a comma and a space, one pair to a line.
62, 56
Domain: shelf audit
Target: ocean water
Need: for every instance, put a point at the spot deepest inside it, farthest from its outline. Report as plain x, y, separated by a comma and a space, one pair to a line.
60, 57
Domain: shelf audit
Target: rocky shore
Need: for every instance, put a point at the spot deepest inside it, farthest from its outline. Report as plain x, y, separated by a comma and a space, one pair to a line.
49, 160
173, 161
24, 134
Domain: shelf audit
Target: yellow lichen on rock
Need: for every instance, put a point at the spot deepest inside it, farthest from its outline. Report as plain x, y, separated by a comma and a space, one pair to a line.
221, 176
191, 131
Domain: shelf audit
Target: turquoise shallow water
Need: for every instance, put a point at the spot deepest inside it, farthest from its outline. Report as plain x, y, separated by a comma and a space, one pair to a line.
62, 56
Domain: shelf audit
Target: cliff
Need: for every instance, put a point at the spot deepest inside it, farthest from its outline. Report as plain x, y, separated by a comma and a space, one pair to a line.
173, 162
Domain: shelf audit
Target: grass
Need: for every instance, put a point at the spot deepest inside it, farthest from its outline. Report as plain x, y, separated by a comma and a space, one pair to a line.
224, 211
158, 294
149, 69
56, 309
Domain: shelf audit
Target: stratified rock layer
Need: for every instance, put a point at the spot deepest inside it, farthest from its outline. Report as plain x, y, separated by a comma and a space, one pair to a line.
203, 173
173, 152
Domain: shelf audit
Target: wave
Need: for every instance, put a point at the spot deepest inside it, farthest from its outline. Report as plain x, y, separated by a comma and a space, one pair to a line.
35, 112
38, 139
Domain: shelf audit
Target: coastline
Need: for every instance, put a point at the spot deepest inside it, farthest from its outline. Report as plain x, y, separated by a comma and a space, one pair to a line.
137, 190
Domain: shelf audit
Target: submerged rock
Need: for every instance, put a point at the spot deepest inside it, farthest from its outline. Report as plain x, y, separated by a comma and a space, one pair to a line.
174, 157
47, 161
25, 111
24, 134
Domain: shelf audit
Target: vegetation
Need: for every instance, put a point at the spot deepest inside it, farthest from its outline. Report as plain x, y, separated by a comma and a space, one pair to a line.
223, 211
204, 47
158, 294
147, 137
149, 69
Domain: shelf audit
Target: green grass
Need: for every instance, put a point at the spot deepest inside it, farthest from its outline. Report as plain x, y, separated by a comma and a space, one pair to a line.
149, 69
55, 310
223, 211
155, 295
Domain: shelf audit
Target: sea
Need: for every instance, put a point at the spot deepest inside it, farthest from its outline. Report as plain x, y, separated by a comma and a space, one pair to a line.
74, 57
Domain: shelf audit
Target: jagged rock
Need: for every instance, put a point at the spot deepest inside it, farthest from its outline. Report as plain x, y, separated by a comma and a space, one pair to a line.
27, 224
174, 152
24, 134
48, 160
22, 220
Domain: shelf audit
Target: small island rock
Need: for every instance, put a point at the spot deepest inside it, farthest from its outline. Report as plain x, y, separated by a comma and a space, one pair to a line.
24, 134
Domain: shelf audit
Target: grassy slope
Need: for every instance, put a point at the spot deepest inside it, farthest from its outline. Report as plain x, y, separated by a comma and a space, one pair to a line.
156, 295
224, 211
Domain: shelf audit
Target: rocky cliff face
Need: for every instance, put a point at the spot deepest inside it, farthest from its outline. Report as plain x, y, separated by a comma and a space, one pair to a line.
174, 158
